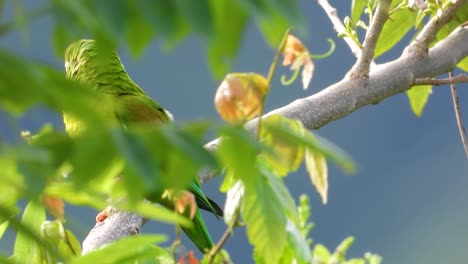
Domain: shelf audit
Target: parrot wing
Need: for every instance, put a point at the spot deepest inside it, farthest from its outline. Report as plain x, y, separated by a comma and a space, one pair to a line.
139, 108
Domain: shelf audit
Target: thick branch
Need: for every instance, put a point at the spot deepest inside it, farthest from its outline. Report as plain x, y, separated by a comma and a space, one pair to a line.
347, 96
332, 103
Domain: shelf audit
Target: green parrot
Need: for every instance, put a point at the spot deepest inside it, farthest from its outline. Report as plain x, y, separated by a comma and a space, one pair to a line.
104, 72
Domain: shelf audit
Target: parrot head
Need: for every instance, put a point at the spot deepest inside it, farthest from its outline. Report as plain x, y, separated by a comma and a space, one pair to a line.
83, 62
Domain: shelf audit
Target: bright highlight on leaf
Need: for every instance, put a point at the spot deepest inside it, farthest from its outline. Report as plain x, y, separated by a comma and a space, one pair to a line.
418, 97
297, 55
316, 165
240, 96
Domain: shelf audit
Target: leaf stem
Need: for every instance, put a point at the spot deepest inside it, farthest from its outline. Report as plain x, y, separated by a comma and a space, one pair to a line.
271, 73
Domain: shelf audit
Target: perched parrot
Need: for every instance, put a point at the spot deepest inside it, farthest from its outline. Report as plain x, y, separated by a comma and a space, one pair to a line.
106, 74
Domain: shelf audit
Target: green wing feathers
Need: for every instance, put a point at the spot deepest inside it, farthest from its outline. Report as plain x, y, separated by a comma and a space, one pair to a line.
131, 106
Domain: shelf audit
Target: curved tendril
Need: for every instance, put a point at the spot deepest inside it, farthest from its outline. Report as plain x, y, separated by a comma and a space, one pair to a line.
326, 54
292, 79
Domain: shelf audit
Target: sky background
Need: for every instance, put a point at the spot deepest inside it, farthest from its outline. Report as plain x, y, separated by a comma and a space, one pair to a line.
407, 200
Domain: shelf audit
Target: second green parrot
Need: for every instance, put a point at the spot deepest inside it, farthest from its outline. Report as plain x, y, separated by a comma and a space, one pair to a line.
105, 73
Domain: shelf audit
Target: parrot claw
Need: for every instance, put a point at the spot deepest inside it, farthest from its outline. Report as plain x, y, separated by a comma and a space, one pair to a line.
101, 216
183, 200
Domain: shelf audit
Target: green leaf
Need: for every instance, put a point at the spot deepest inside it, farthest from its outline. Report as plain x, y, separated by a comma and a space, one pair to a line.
394, 30
198, 15
357, 6
227, 37
320, 144
316, 165
155, 212
418, 96
298, 250
286, 154
321, 254
237, 140
273, 28
463, 64
340, 252
124, 250
3, 228
234, 199
139, 33
265, 209
26, 249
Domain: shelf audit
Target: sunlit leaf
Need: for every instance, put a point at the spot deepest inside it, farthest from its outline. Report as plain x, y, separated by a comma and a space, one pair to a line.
265, 220
463, 64
233, 201
286, 154
3, 228
321, 254
357, 6
320, 144
316, 165
26, 249
122, 250
394, 30
297, 246
418, 96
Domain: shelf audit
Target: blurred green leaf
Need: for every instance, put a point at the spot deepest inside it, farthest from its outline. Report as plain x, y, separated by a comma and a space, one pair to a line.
418, 96
340, 252
286, 154
394, 30
298, 250
124, 250
3, 228
321, 254
234, 197
357, 6
265, 209
237, 140
316, 165
26, 249
198, 14
463, 64
228, 36
319, 144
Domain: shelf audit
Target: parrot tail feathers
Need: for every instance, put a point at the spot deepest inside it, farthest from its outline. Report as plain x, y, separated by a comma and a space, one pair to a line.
198, 234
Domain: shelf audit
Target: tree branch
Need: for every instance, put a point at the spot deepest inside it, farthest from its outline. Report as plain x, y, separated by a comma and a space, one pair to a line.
429, 32
332, 103
462, 78
347, 96
339, 27
361, 68
456, 107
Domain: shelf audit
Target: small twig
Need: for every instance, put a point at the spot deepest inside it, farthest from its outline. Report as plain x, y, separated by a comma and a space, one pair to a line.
361, 69
339, 26
271, 73
428, 33
456, 107
462, 78
224, 238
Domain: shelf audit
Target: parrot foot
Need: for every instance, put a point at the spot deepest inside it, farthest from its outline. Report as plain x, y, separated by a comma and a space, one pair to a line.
101, 216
